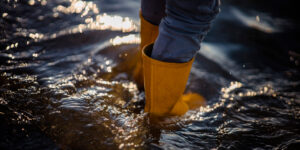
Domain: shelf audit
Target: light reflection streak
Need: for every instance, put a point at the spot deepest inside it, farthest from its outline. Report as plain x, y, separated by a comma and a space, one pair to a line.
77, 6
254, 22
96, 22
229, 94
212, 51
3, 102
31, 2
233, 85
129, 39
12, 46
4, 15
103, 22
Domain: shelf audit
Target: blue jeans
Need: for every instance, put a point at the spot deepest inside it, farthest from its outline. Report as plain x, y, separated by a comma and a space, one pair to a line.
182, 26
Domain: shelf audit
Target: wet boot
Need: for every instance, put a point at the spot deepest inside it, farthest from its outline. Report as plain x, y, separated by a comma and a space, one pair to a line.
149, 33
165, 84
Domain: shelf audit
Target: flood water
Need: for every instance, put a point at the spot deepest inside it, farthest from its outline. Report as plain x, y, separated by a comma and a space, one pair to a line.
65, 82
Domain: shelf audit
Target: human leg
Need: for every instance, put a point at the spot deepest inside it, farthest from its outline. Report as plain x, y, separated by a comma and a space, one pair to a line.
152, 11
167, 64
183, 29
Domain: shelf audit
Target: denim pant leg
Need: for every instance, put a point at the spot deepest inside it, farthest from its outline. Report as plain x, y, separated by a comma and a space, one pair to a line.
153, 10
182, 30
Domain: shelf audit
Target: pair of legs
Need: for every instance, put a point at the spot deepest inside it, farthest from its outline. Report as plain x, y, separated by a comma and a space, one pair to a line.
182, 26
177, 28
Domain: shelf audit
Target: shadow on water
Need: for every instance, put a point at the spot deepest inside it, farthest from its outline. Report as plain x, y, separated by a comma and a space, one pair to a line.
65, 79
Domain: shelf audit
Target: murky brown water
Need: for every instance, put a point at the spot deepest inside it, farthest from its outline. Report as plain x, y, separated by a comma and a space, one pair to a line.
65, 83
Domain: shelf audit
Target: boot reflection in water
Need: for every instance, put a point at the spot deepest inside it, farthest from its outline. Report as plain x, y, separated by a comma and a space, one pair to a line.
166, 56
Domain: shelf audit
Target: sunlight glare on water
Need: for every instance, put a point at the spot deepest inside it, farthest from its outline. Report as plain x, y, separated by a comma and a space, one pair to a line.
129, 39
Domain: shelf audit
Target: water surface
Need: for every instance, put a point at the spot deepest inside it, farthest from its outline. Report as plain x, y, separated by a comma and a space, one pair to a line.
65, 82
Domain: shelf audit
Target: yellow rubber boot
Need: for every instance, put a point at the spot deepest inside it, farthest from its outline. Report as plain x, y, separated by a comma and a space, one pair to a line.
165, 84
149, 33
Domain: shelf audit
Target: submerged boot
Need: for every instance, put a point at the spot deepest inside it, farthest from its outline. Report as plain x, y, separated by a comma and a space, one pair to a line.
149, 33
165, 84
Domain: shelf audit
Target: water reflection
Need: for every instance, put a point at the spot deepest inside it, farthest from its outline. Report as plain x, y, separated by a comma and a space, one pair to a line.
77, 6
99, 22
4, 15
129, 39
91, 20
254, 22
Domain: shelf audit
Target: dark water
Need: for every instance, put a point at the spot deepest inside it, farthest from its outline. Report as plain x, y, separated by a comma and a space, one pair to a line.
64, 81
